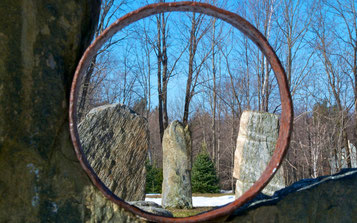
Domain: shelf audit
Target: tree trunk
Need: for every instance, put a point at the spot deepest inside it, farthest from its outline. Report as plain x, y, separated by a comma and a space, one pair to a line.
86, 83
233, 143
192, 51
164, 74
247, 73
159, 87
355, 89
214, 102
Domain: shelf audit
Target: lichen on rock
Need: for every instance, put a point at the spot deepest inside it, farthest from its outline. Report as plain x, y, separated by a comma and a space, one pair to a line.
177, 165
115, 141
41, 178
258, 133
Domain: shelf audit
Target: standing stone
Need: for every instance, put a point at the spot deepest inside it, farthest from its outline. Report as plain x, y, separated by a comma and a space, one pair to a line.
258, 133
177, 164
41, 179
115, 140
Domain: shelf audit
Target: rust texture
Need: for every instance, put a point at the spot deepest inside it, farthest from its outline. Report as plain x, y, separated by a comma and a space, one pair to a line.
251, 32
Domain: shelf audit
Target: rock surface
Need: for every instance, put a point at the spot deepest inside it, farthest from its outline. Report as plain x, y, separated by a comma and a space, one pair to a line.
177, 164
115, 140
326, 199
41, 179
98, 209
151, 207
256, 141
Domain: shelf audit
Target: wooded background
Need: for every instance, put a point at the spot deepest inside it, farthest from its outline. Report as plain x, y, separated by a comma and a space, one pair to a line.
205, 73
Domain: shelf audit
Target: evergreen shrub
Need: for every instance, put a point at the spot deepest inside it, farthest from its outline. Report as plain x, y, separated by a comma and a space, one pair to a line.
204, 178
153, 178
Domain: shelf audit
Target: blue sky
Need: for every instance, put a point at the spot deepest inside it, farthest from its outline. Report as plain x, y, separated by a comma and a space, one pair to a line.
316, 85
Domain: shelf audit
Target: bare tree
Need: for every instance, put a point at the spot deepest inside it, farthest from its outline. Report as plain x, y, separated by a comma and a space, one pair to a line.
269, 10
262, 15
214, 102
109, 9
345, 11
164, 72
335, 79
294, 25
161, 53
197, 31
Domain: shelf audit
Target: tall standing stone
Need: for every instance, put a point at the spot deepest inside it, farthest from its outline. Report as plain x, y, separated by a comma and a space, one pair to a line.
41, 179
177, 164
115, 140
258, 133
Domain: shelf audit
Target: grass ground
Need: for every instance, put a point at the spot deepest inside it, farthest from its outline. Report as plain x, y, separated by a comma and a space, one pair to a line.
194, 195
188, 212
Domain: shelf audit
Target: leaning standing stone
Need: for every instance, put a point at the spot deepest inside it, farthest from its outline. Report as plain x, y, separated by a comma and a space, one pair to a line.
115, 141
176, 185
258, 133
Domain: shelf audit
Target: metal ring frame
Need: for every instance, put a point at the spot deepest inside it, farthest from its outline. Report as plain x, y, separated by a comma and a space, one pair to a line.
251, 32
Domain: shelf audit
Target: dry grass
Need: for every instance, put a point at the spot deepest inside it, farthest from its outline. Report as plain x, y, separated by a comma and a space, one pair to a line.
153, 196
194, 195
210, 195
188, 212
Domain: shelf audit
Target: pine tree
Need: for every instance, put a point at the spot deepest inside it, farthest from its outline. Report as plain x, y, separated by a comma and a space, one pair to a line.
204, 178
154, 178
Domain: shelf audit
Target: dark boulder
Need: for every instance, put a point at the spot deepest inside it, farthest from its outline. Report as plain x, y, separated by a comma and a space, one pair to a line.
324, 199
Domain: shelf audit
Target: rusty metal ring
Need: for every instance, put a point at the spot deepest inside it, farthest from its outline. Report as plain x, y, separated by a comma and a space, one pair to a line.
250, 31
